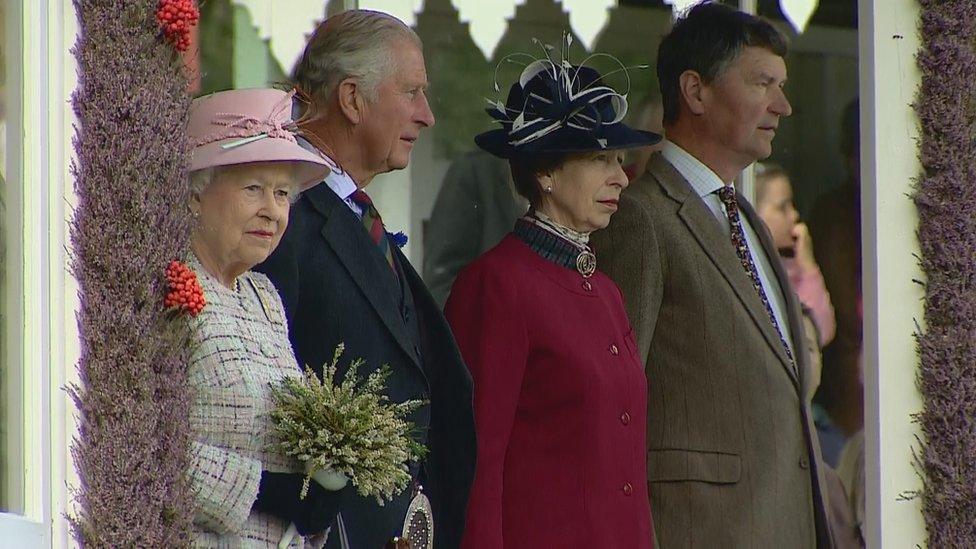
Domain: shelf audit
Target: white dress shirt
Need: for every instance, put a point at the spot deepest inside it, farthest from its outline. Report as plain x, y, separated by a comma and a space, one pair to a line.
706, 183
337, 180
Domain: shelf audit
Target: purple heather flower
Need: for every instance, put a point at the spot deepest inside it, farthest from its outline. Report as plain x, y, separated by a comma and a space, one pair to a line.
945, 198
132, 448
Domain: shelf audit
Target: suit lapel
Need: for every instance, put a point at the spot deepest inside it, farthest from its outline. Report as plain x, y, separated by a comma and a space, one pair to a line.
716, 245
345, 234
790, 301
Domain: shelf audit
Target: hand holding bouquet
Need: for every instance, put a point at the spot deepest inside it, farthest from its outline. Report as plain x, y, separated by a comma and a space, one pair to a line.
347, 427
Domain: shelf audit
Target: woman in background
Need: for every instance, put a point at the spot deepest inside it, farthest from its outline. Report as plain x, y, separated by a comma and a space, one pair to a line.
774, 203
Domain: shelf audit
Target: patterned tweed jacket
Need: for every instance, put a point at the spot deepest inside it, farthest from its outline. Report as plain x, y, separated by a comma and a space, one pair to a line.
240, 345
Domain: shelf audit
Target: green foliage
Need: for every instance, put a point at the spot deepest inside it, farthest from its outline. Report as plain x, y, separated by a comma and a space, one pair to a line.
349, 427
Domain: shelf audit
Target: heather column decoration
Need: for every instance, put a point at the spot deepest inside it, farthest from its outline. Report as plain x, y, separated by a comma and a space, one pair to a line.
131, 220
946, 201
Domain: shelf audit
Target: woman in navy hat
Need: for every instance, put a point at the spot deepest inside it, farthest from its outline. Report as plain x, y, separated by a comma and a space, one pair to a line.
560, 394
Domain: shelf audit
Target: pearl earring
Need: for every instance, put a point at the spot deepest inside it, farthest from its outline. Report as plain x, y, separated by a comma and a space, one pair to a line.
548, 189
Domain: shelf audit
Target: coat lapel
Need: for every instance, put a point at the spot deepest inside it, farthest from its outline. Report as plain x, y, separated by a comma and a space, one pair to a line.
716, 245
790, 301
346, 236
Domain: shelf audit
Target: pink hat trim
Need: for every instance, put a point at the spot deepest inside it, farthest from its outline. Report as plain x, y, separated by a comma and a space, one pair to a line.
238, 125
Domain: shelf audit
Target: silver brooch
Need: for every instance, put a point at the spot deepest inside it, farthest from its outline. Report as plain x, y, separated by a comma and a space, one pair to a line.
586, 263
418, 528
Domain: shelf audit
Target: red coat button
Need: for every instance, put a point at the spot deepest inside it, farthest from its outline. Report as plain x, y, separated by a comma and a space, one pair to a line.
614, 350
628, 489
625, 418
587, 286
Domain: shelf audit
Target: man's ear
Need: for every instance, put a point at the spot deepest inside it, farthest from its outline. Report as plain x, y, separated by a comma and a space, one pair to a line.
690, 86
351, 101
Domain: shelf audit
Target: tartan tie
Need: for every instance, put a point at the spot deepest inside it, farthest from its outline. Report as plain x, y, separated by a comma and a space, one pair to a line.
727, 194
374, 225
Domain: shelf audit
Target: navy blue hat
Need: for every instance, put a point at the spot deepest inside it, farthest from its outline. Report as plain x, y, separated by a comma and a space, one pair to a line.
560, 108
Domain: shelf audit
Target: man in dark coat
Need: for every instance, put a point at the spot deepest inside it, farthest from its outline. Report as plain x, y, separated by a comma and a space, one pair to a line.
476, 207
343, 280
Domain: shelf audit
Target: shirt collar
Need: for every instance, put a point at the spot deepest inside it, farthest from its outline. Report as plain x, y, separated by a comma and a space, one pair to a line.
341, 184
700, 176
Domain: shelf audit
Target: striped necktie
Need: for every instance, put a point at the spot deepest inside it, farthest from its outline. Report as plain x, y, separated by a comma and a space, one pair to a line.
374, 225
727, 194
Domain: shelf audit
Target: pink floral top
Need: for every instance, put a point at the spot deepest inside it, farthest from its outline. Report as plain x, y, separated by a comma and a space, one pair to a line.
809, 286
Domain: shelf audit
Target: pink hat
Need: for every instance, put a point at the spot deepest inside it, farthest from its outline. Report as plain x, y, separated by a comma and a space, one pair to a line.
254, 125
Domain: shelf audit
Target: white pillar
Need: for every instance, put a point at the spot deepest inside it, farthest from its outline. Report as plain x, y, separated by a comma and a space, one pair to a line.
892, 302
62, 288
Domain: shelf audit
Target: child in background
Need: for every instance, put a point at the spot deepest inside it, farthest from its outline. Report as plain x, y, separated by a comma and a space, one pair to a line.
774, 203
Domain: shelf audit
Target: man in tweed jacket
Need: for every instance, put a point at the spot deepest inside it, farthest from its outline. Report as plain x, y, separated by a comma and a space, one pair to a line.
342, 279
732, 457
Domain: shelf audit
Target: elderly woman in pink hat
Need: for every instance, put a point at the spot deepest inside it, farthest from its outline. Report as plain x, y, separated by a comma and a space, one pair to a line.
246, 169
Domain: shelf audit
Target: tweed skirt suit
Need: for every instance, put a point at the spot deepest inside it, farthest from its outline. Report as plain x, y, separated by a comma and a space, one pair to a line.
239, 347
244, 168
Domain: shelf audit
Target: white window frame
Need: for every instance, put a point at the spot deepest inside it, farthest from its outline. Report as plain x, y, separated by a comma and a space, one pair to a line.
49, 337
26, 529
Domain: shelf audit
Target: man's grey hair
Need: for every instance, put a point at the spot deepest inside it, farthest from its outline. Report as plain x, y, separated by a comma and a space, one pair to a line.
354, 43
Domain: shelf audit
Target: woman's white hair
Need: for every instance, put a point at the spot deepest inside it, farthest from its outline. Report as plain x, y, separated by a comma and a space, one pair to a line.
201, 179
354, 43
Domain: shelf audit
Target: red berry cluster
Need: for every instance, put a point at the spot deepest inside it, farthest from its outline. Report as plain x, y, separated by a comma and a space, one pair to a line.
185, 292
177, 17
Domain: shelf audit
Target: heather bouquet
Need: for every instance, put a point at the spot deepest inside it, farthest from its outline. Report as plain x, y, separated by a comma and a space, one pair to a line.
346, 428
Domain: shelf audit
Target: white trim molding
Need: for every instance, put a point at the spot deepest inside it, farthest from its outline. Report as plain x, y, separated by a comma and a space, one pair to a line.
49, 338
890, 79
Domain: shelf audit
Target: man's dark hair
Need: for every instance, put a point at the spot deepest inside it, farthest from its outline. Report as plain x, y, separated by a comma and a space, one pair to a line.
706, 39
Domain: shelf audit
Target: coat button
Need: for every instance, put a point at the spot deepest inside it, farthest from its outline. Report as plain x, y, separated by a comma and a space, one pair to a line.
614, 350
625, 418
804, 463
587, 286
628, 489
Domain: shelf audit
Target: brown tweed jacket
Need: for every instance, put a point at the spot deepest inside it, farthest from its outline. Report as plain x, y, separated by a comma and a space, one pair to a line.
733, 459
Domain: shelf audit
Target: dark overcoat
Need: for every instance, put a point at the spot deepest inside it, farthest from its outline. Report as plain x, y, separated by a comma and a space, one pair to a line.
337, 288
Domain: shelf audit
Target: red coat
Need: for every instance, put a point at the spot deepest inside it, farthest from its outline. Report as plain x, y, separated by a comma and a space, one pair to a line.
560, 402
